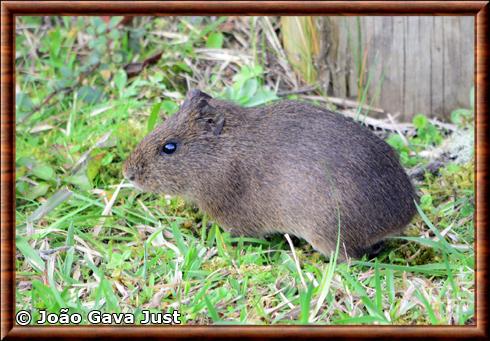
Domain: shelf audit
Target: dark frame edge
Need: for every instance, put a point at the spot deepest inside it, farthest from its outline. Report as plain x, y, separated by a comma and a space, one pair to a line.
8, 12
284, 7
7, 230
262, 332
482, 62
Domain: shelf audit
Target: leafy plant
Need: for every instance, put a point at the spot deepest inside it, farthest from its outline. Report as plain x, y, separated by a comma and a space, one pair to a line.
409, 147
405, 150
247, 89
215, 40
427, 133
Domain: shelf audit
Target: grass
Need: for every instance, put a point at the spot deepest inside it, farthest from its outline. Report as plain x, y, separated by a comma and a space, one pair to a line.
86, 241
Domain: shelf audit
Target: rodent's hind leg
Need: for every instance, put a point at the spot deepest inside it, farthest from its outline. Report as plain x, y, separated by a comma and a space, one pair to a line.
375, 249
326, 247
371, 251
346, 249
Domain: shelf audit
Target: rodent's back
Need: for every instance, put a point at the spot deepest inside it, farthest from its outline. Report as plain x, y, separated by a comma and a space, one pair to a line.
311, 161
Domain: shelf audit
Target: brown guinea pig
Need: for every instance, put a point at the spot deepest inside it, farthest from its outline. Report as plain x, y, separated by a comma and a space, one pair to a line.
287, 167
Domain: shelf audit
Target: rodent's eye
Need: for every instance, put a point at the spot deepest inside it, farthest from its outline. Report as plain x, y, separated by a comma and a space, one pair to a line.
169, 148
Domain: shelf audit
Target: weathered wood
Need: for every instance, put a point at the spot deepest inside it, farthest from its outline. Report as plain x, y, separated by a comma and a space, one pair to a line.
416, 64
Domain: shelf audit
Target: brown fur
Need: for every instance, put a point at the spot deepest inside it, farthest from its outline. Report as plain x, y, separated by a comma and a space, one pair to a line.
288, 167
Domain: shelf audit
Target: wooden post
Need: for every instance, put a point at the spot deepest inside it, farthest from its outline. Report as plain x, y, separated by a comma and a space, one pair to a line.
403, 64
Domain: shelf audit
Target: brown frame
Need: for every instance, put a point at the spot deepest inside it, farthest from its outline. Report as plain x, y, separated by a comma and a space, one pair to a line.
10, 9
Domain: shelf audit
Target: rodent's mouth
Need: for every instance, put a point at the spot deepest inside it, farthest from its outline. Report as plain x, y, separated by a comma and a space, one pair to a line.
137, 186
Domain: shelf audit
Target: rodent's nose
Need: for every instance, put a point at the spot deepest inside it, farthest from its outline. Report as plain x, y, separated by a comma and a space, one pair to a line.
128, 174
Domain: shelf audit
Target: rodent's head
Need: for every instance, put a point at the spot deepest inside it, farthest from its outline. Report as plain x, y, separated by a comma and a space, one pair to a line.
174, 157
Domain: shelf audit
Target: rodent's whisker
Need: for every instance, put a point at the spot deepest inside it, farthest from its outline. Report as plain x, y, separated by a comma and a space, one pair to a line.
124, 185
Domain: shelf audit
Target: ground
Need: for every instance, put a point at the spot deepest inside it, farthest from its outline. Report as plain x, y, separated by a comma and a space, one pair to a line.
88, 89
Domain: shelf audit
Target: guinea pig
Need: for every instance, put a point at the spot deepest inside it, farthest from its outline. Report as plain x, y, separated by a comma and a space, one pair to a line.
286, 167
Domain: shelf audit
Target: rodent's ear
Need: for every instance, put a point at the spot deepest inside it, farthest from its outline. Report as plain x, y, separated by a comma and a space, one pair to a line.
209, 117
206, 116
196, 93
193, 97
